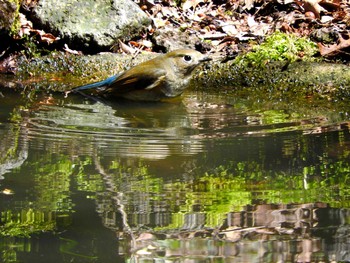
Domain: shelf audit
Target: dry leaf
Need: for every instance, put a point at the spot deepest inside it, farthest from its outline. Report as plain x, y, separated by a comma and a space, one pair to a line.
48, 38
126, 49
335, 49
313, 6
67, 49
8, 65
230, 30
191, 4
248, 4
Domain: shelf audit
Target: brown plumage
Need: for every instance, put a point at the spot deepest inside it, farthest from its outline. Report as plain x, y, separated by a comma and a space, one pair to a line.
165, 76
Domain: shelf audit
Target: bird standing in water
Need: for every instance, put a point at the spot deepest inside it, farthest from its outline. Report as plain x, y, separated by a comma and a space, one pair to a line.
165, 76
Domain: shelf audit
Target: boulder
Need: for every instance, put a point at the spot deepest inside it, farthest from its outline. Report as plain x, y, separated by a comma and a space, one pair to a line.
8, 16
89, 24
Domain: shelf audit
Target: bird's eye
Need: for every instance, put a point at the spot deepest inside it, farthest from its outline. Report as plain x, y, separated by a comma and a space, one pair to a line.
187, 58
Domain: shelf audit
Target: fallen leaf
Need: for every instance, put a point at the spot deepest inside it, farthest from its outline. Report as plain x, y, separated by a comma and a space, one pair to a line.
8, 65
191, 4
230, 30
248, 4
48, 38
126, 49
314, 6
67, 49
333, 50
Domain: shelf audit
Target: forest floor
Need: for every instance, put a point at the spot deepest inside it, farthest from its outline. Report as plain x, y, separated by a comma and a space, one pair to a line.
229, 27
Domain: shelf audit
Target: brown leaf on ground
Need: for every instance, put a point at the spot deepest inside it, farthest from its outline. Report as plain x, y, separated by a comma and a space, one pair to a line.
27, 29
333, 50
71, 51
8, 65
330, 6
126, 49
313, 6
46, 37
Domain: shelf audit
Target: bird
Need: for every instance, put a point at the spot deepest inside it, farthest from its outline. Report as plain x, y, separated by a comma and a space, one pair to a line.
160, 78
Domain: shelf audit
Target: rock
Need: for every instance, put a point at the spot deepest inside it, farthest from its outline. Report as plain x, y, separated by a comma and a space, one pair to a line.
60, 71
8, 16
171, 38
326, 35
90, 25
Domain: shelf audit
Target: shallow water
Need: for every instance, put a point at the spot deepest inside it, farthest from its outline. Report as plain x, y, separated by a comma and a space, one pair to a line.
210, 178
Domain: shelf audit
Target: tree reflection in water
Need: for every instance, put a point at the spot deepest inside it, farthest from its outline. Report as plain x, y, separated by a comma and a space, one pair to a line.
210, 177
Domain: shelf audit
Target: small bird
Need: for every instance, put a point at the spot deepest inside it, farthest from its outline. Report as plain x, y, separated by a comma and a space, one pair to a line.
165, 76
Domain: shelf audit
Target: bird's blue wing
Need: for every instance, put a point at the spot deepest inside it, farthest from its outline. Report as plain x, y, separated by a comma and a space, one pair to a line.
103, 83
138, 78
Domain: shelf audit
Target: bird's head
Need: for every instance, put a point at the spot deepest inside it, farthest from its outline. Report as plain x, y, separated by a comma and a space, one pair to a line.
184, 61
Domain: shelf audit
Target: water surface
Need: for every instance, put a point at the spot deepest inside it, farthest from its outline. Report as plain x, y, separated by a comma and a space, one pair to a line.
209, 178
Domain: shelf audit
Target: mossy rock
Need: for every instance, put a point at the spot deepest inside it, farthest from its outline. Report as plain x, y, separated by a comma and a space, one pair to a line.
9, 17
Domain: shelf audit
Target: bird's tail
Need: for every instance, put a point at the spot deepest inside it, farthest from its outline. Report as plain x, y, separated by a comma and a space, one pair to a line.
98, 84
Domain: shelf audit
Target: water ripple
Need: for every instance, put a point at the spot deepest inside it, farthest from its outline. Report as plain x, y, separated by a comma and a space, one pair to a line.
156, 130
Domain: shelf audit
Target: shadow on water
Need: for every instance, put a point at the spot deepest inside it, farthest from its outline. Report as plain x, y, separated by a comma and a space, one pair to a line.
207, 179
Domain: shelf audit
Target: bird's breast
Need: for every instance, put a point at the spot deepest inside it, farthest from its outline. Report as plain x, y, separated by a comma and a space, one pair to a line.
175, 86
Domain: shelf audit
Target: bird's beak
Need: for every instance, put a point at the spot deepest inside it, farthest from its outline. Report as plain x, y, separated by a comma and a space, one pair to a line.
204, 59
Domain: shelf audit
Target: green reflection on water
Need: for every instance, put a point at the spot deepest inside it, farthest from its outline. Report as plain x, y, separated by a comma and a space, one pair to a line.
25, 222
164, 170
35, 209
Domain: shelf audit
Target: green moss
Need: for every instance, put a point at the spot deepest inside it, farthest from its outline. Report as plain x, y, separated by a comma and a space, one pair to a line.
60, 71
279, 47
16, 23
31, 49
